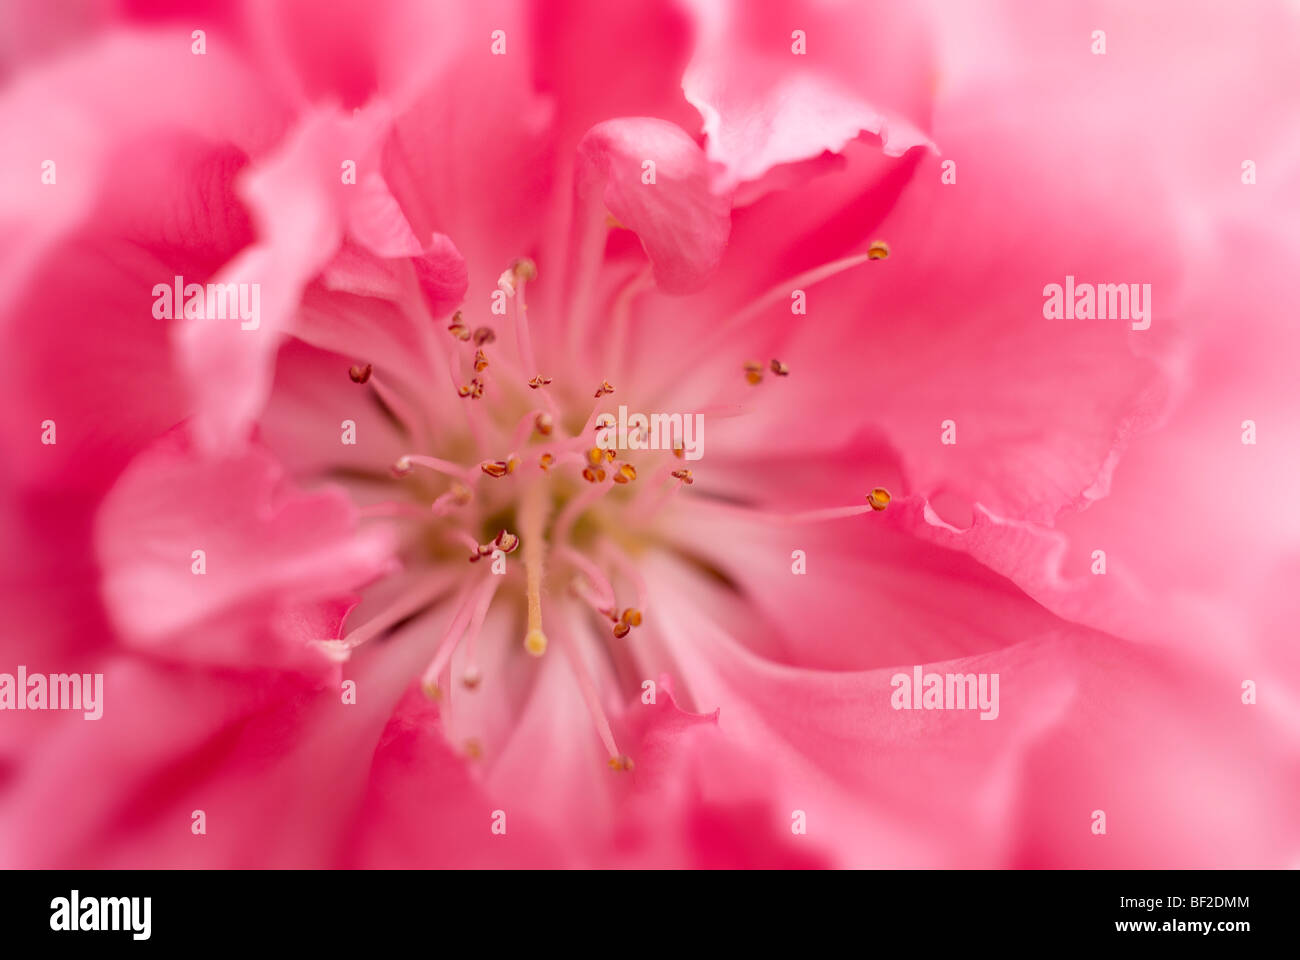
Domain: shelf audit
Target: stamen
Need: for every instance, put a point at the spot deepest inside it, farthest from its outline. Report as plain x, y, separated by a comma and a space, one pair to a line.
429, 679
411, 601
533, 518
879, 498
360, 374
605, 602
879, 250
780, 369
544, 423
484, 336
472, 675
407, 461
685, 476
457, 326
753, 371
546, 461
480, 361
626, 473
617, 760
500, 468
538, 382
604, 388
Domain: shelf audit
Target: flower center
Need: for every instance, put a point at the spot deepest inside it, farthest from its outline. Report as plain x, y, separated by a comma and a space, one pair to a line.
531, 495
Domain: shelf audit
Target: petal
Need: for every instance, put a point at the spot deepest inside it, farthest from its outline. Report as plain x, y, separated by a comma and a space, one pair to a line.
681, 222
765, 103
267, 550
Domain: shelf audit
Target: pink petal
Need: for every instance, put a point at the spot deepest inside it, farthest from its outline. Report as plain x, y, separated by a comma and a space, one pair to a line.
681, 222
866, 68
268, 549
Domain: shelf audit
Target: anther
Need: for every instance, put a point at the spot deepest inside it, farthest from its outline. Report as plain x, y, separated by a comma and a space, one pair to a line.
621, 630
879, 498
480, 361
471, 678
544, 423
484, 336
879, 250
495, 468
546, 461
506, 542
626, 473
402, 467
631, 616
593, 474
595, 456
604, 388
623, 764
457, 326
538, 382
360, 374
780, 369
524, 269
685, 476
753, 371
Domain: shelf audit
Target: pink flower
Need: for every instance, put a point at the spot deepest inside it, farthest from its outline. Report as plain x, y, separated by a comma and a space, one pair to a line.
364, 583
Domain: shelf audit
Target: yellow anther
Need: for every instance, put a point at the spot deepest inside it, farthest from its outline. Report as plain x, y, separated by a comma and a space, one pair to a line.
621, 630
753, 371
524, 269
480, 361
433, 691
626, 473
632, 617
595, 456
622, 764
879, 498
593, 474
547, 459
544, 423
685, 476
538, 382
879, 250
495, 468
